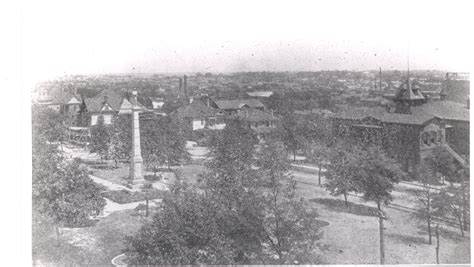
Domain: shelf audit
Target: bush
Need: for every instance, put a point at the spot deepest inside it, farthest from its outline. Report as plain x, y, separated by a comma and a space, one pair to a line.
152, 178
125, 196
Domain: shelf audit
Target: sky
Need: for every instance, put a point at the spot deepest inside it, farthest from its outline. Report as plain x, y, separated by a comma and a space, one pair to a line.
86, 37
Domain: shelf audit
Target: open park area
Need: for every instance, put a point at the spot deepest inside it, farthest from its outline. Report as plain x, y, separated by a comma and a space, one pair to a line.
349, 234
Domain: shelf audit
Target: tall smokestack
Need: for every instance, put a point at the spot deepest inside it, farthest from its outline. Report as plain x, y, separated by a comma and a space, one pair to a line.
180, 85
185, 85
380, 78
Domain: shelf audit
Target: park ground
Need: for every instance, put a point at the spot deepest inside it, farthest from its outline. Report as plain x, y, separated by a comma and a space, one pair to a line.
352, 236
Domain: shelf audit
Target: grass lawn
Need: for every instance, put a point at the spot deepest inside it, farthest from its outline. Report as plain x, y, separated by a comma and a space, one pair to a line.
190, 172
94, 245
117, 175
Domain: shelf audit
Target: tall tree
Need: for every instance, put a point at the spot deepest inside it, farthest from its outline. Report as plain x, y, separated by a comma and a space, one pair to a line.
425, 196
443, 163
49, 123
289, 228
319, 154
101, 136
449, 202
377, 175
293, 137
163, 142
62, 191
343, 175
245, 212
185, 231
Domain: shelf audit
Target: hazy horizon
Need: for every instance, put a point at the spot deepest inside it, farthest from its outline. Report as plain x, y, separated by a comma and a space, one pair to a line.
110, 37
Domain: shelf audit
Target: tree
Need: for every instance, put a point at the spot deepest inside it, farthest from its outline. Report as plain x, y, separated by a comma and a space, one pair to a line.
343, 175
122, 138
163, 142
442, 162
101, 136
64, 192
450, 202
49, 123
185, 231
425, 196
445, 164
377, 174
319, 154
288, 227
293, 138
244, 212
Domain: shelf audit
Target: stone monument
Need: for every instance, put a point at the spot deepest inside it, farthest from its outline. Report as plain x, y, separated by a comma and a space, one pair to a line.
136, 160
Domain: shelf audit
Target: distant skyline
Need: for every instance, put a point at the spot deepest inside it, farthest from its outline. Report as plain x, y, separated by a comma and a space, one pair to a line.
238, 36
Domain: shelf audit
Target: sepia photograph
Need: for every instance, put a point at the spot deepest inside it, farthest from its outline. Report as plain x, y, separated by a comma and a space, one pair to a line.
246, 132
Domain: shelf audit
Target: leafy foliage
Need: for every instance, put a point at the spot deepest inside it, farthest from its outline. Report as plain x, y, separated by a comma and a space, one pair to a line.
443, 163
378, 174
49, 124
101, 137
288, 227
62, 191
163, 142
450, 202
185, 231
343, 174
245, 211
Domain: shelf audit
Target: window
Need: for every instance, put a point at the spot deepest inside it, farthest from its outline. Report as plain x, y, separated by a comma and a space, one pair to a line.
440, 136
93, 119
434, 139
107, 119
425, 138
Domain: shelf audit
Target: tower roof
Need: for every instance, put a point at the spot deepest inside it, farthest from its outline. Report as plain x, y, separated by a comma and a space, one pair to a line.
409, 90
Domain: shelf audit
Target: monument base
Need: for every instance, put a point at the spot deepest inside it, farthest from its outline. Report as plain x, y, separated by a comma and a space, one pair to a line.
136, 184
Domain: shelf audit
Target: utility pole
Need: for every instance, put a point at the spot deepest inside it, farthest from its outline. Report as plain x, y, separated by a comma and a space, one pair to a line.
437, 243
382, 245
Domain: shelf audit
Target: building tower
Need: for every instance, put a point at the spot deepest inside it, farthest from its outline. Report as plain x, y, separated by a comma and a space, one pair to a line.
408, 95
136, 160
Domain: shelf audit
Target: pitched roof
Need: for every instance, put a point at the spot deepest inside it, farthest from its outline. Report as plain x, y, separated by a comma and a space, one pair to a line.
64, 98
384, 116
254, 115
239, 103
197, 109
96, 103
448, 110
409, 90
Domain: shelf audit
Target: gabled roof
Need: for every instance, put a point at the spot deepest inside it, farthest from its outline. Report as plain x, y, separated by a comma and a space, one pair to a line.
254, 115
126, 106
197, 109
64, 98
238, 104
105, 96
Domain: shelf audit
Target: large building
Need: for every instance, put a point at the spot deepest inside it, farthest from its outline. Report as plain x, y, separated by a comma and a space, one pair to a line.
412, 131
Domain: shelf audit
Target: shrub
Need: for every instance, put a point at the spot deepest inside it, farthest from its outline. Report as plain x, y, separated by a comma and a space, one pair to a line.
153, 178
125, 196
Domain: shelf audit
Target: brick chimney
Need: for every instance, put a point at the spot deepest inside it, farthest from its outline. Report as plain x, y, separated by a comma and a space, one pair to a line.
185, 85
